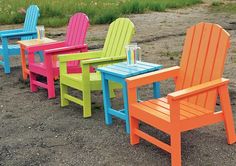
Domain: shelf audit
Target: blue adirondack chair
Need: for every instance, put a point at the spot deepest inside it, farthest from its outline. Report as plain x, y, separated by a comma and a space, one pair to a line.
27, 32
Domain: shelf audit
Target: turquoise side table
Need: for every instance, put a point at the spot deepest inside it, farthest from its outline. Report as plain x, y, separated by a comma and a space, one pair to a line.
118, 73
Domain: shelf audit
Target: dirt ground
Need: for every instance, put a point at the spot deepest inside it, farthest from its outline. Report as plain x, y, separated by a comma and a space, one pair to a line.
37, 131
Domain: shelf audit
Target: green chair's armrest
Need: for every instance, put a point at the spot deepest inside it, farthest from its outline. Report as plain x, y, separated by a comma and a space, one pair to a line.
105, 60
79, 56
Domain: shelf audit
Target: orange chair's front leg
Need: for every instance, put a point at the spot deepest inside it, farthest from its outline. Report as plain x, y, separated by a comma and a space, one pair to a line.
228, 116
175, 136
175, 141
23, 63
134, 123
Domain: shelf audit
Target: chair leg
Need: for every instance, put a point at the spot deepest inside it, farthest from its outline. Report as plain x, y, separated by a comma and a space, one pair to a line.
51, 87
33, 87
175, 148
6, 58
106, 100
23, 63
228, 116
86, 102
64, 90
6, 65
134, 124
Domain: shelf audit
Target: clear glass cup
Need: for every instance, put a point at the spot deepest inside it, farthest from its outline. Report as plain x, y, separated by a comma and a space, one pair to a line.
40, 31
133, 53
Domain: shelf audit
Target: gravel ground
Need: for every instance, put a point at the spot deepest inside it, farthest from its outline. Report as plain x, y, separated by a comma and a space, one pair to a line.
37, 131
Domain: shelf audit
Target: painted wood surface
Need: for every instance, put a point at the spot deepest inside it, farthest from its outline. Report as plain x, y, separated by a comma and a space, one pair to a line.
74, 42
119, 34
198, 83
27, 32
118, 73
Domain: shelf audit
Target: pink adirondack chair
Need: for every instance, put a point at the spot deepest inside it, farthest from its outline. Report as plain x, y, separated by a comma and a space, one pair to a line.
74, 42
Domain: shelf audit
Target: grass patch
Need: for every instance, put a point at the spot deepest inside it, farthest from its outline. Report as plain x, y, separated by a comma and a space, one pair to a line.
219, 6
57, 12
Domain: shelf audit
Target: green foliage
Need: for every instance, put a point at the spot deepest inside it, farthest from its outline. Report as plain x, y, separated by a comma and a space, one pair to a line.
217, 3
219, 6
55, 13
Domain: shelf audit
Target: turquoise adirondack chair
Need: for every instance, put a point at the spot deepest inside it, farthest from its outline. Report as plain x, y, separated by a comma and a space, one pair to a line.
27, 32
119, 34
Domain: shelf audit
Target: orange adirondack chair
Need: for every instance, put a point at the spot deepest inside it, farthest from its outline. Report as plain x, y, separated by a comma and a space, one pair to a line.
198, 84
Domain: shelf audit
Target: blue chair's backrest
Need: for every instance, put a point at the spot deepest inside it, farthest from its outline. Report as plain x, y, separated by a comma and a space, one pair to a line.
31, 20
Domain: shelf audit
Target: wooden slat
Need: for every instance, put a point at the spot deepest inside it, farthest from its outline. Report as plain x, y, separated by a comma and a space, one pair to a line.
31, 20
185, 56
187, 110
119, 35
193, 56
156, 107
201, 57
160, 102
218, 67
209, 62
203, 60
196, 107
201, 121
74, 99
77, 29
183, 110
153, 140
108, 38
111, 38
43, 85
135, 67
116, 113
152, 112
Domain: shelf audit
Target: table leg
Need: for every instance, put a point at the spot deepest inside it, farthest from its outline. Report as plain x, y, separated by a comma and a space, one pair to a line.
156, 90
126, 109
23, 63
106, 100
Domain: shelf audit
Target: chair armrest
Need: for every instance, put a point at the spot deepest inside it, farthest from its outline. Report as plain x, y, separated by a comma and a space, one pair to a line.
152, 77
65, 49
79, 56
195, 90
105, 60
18, 34
10, 31
47, 46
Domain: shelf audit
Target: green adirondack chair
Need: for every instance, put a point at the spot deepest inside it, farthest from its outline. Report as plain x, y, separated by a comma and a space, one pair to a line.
119, 35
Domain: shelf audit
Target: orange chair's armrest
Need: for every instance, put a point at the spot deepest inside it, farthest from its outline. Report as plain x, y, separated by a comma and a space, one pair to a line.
152, 77
195, 90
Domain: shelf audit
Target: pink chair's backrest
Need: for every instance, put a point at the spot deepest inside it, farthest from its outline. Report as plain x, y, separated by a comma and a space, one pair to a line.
203, 59
77, 29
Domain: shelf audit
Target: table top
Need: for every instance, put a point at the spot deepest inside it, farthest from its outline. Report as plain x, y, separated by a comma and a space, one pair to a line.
34, 42
124, 71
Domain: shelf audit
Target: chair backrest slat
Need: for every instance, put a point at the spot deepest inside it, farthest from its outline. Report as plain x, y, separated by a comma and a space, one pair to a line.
119, 35
77, 29
203, 59
31, 20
